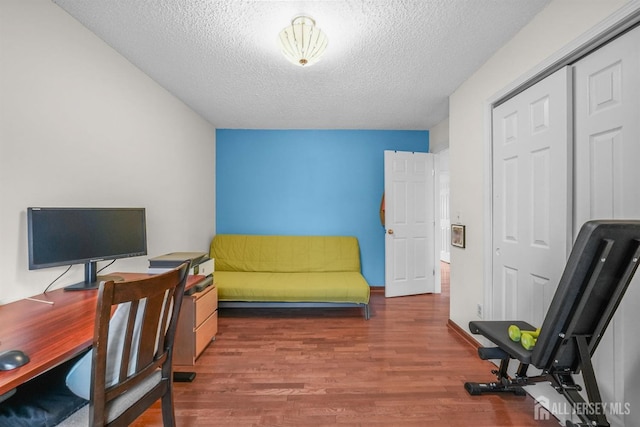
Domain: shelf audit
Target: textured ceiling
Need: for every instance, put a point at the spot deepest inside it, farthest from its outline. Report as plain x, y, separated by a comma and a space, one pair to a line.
389, 64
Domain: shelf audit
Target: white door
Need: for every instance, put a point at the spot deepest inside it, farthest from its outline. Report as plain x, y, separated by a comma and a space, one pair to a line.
531, 198
409, 223
607, 173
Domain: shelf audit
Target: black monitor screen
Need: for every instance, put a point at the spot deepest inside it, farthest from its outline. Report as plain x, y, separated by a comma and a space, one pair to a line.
65, 236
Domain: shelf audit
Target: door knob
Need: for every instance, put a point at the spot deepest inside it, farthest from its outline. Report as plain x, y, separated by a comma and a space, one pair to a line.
390, 231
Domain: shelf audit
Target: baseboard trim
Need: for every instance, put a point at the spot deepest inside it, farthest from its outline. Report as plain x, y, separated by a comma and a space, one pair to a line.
377, 289
464, 335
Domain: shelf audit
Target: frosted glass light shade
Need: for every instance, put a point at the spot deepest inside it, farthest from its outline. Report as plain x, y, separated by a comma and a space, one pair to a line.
302, 42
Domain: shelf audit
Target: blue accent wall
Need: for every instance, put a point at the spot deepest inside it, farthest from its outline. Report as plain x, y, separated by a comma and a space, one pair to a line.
314, 182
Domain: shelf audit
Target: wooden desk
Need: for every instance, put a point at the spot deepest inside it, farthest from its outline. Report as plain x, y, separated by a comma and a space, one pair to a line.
48, 333
51, 334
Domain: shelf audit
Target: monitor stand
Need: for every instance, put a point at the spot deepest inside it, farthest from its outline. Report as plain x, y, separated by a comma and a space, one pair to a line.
82, 286
91, 279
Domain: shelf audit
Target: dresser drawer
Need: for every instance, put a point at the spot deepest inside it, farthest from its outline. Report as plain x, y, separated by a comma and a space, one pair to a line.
206, 302
205, 332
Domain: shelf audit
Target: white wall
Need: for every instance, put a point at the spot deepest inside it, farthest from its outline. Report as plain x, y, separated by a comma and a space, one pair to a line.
553, 28
439, 136
81, 126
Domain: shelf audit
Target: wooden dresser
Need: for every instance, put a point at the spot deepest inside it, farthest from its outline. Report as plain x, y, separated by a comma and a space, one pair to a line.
197, 326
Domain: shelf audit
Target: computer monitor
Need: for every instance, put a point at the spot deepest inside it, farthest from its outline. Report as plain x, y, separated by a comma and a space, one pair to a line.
66, 236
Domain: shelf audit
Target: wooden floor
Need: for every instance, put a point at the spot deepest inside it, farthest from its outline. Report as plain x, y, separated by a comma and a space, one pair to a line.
328, 367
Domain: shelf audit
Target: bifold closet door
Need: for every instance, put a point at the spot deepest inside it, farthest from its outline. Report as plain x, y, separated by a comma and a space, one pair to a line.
531, 198
607, 179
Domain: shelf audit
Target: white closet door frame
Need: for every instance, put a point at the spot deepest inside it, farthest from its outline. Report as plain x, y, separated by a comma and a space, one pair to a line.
617, 23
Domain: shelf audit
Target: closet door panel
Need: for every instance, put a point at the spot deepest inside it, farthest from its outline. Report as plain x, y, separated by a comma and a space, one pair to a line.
531, 198
607, 173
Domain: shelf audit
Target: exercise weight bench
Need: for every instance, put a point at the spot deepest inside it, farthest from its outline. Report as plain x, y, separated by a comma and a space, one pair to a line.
602, 262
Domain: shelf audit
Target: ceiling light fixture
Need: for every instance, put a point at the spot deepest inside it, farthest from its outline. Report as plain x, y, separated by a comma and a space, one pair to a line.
302, 42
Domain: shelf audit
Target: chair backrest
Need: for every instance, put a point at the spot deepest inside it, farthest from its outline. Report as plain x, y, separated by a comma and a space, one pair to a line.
600, 267
147, 311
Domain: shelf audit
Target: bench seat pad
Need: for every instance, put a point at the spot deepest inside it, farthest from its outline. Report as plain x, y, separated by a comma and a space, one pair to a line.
343, 286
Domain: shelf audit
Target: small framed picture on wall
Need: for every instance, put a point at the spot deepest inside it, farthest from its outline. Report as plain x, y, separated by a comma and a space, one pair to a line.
457, 235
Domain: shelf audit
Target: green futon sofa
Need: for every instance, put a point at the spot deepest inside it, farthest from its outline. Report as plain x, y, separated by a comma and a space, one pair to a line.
289, 271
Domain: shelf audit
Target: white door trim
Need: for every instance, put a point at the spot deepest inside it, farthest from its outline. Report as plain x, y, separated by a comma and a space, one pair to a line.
617, 23
438, 167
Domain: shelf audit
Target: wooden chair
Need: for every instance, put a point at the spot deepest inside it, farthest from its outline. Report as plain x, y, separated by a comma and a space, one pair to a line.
132, 350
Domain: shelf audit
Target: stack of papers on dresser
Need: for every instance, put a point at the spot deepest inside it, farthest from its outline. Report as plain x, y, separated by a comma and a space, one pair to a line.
201, 264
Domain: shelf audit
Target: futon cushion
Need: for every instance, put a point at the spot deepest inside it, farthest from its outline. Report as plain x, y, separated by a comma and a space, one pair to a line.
348, 287
285, 254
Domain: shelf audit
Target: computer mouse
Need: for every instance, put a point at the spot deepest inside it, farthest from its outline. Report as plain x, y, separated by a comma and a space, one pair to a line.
12, 359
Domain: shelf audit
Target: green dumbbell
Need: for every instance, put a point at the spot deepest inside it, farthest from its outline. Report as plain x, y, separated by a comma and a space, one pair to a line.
516, 334
528, 341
